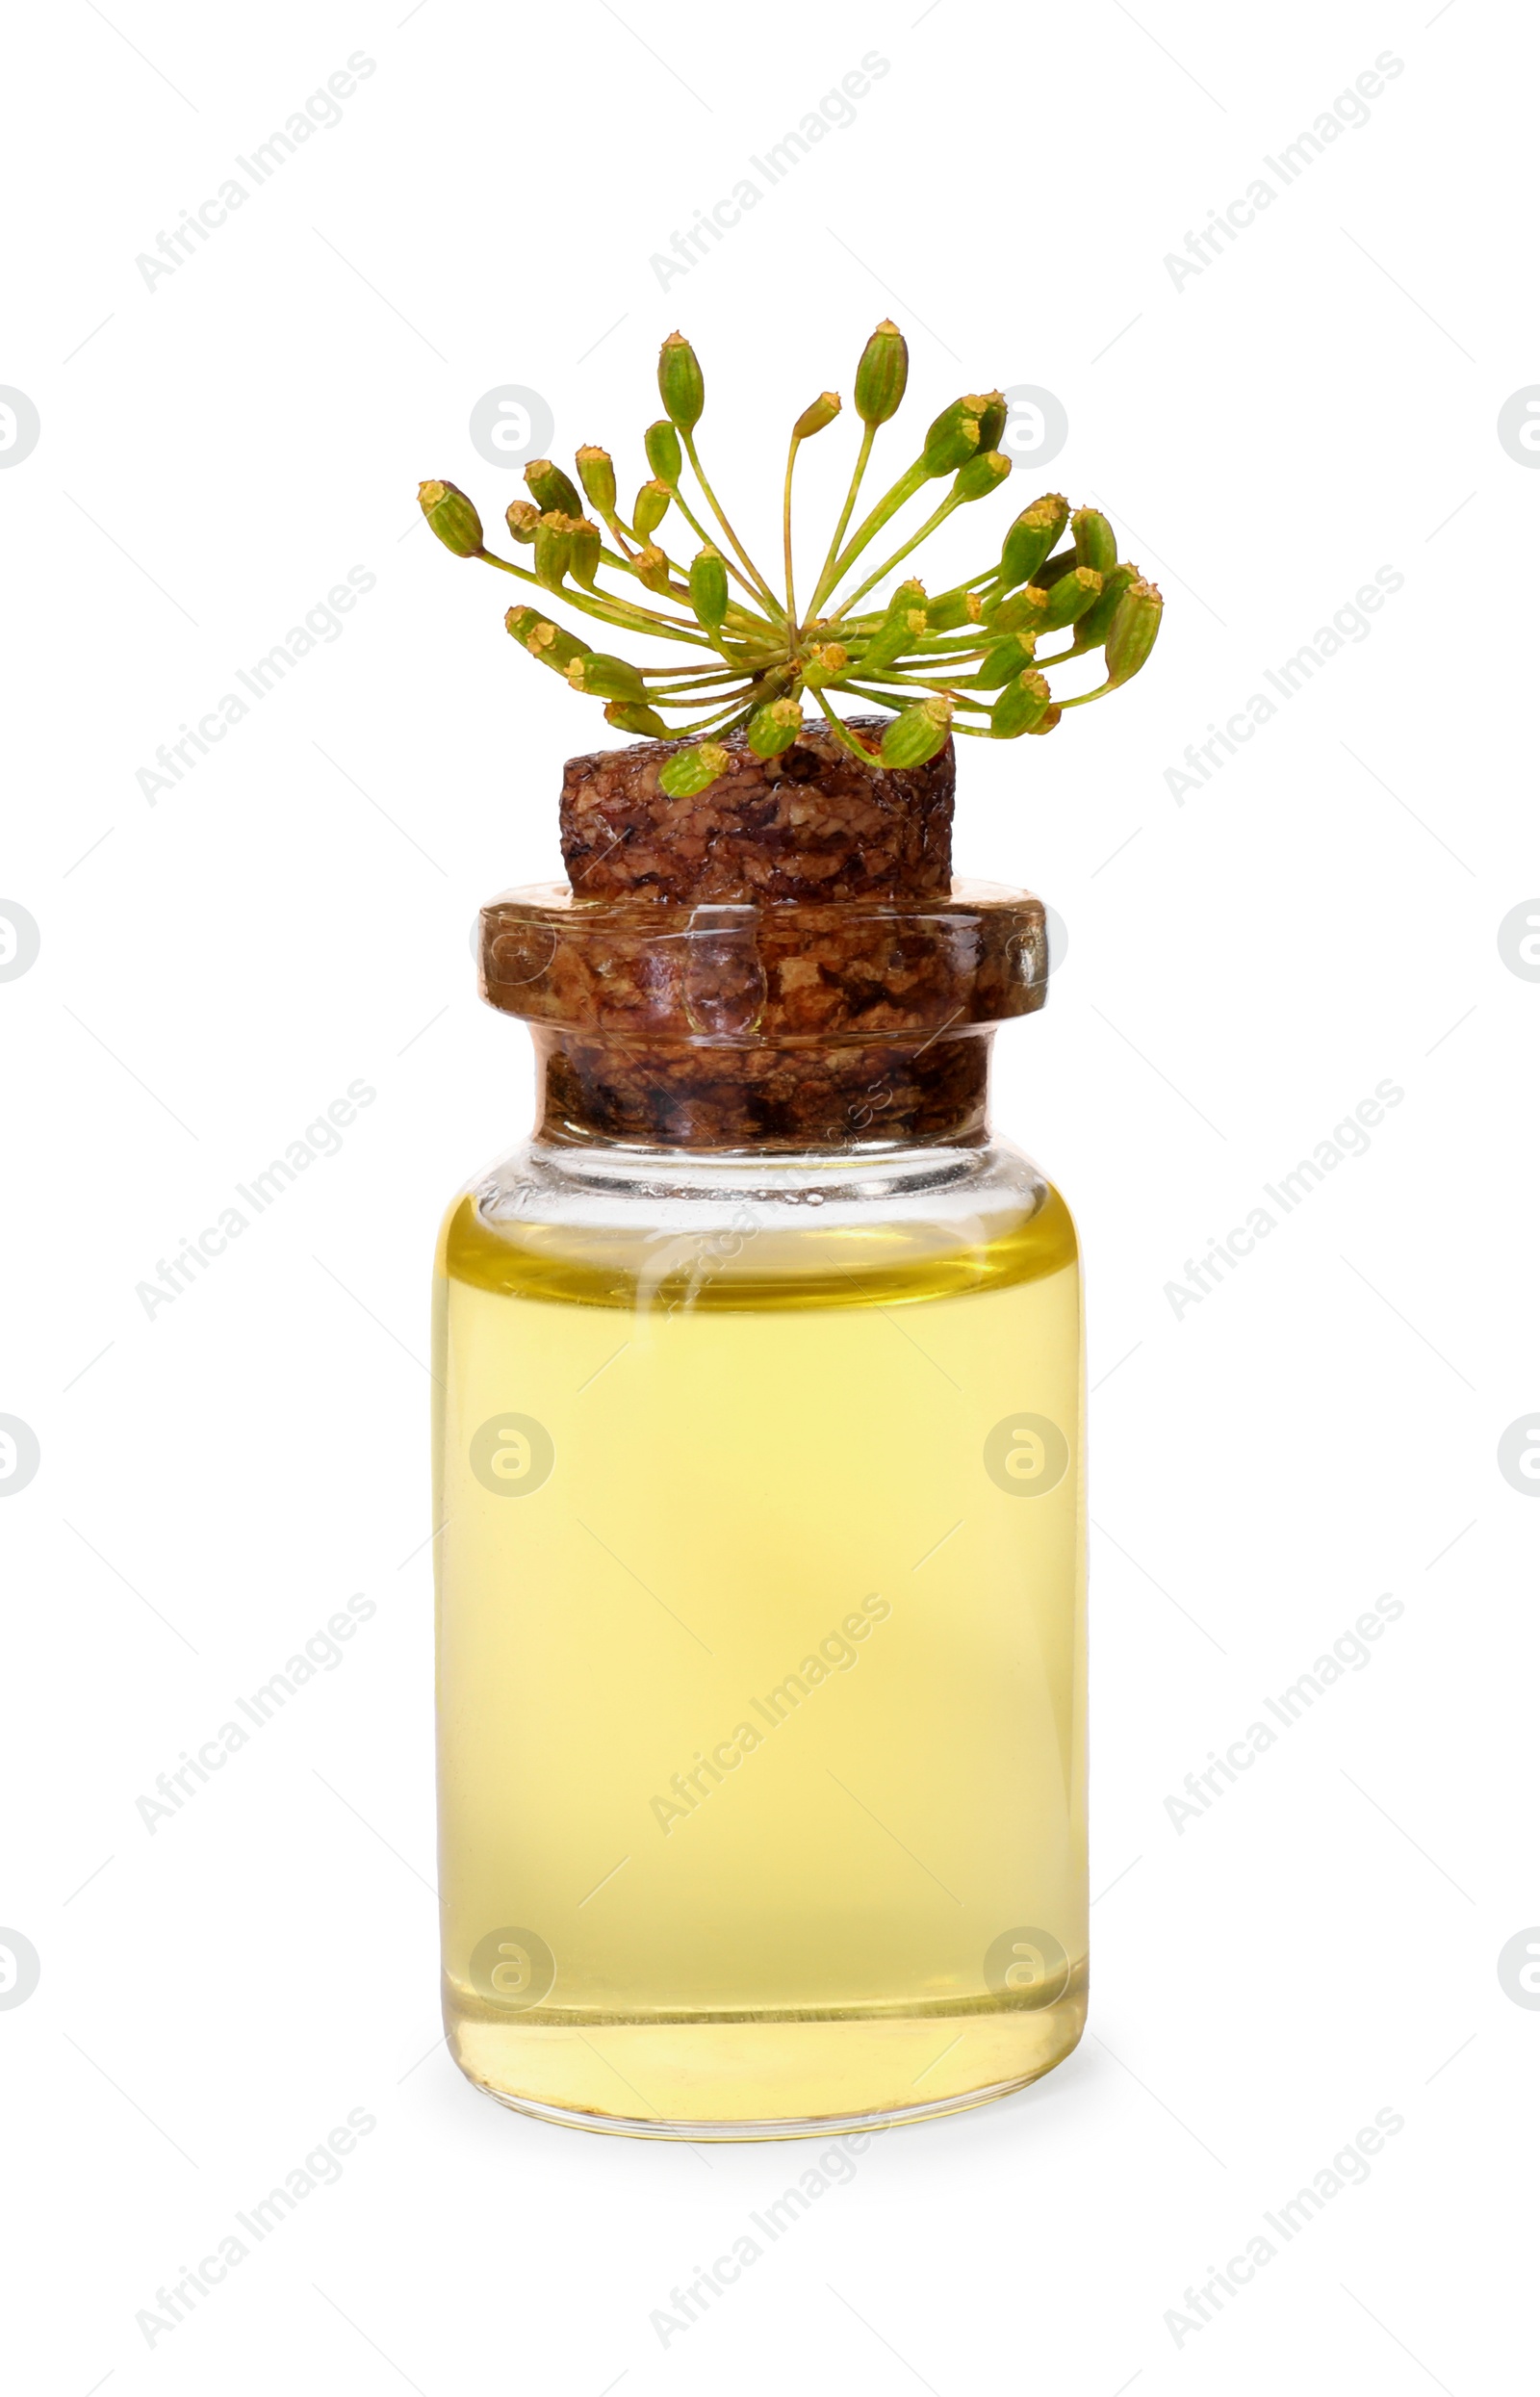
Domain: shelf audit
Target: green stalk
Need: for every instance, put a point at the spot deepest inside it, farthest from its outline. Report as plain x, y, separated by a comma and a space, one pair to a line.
785, 529
705, 539
742, 687
680, 676
617, 611
969, 582
845, 738
903, 699
777, 611
826, 581
700, 699
687, 695
912, 682
907, 483
724, 721
937, 516
954, 653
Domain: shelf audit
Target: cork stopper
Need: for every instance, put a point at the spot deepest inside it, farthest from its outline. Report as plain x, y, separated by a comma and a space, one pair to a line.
812, 824
782, 962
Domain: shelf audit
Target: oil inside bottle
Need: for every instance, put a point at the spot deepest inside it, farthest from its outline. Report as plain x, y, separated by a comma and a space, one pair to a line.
760, 1660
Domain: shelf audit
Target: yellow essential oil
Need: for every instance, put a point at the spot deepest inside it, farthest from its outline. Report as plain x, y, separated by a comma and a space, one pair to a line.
760, 1628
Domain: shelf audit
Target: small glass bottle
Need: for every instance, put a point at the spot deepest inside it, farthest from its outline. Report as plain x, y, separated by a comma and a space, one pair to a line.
758, 1455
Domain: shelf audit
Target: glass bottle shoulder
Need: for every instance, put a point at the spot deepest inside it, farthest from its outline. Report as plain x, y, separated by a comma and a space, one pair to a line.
673, 1232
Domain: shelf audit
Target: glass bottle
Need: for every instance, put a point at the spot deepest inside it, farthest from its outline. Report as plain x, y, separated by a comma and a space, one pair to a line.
759, 1453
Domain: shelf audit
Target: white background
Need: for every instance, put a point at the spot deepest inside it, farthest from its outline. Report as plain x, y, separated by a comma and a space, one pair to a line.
1243, 966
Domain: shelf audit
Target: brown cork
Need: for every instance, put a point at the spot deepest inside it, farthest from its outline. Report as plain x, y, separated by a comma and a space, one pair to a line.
727, 1025
763, 1097
781, 963
868, 969
815, 823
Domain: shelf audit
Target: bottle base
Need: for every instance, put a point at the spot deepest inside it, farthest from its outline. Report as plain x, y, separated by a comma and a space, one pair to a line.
760, 2080
820, 2126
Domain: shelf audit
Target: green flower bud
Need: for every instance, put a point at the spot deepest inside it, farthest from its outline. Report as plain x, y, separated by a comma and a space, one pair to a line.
892, 639
1092, 628
553, 646
522, 517
1045, 723
1020, 707
554, 544
1070, 597
652, 507
1095, 542
681, 384
958, 608
952, 439
984, 472
1006, 659
586, 544
994, 415
905, 598
1031, 538
774, 728
543, 640
551, 489
1134, 624
652, 571
903, 624
882, 374
915, 736
596, 472
451, 516
664, 456
601, 677
812, 420
693, 770
825, 663
1024, 611
708, 585
628, 716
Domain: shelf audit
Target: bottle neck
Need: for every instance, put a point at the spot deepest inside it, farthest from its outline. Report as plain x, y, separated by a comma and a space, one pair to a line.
736, 1028
751, 1096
